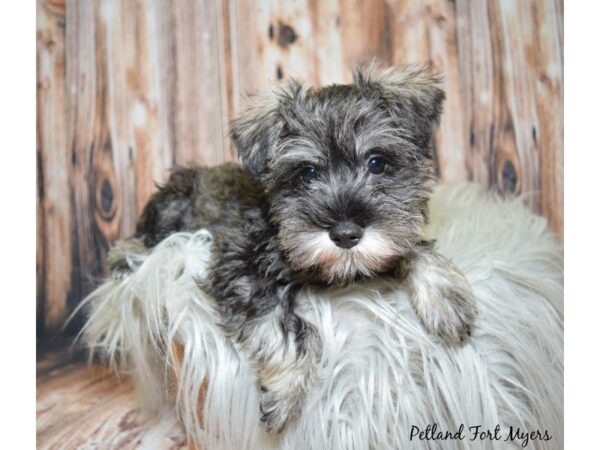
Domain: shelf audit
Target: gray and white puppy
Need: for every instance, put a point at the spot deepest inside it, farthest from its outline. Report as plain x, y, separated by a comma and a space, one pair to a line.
333, 189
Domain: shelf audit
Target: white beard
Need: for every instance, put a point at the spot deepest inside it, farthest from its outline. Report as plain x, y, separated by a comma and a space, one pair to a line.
374, 253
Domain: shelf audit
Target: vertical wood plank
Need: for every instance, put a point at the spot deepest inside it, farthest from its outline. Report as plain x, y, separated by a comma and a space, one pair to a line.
137, 109
476, 68
90, 173
547, 61
227, 49
40, 241
330, 51
425, 34
199, 129
515, 27
54, 209
451, 140
151, 80
113, 167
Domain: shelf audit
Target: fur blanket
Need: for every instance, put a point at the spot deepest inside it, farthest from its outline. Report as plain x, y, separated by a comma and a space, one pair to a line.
383, 378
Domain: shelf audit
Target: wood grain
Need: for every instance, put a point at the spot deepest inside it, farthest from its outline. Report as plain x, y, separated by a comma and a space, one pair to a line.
81, 406
96, 209
546, 62
54, 239
126, 89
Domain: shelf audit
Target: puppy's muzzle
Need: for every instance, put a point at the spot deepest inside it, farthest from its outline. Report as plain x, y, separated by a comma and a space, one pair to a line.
346, 234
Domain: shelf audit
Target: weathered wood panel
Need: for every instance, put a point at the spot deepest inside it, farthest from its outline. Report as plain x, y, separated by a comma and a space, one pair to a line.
54, 208
126, 89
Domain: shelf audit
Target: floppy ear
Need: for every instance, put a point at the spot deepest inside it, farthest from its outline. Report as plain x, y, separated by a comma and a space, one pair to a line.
413, 94
255, 133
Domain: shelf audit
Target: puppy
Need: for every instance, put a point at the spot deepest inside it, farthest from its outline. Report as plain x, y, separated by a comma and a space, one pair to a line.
333, 188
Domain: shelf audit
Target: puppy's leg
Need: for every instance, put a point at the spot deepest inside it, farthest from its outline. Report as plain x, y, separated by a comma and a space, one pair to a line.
255, 293
283, 348
441, 295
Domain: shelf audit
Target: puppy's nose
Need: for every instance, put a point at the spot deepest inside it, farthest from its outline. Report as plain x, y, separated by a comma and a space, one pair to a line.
346, 234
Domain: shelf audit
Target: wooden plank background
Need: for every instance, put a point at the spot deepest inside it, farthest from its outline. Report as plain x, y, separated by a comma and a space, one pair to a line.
126, 89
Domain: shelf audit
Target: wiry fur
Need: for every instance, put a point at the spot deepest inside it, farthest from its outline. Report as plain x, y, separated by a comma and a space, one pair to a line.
373, 254
441, 296
274, 229
380, 370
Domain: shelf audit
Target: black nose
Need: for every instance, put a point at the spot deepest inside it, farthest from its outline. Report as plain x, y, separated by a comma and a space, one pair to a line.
346, 234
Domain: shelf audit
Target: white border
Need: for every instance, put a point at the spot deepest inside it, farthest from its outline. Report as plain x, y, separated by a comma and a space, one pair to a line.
582, 227
18, 184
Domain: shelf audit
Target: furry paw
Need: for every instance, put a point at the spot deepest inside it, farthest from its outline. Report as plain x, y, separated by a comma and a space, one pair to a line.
120, 271
276, 410
442, 298
124, 257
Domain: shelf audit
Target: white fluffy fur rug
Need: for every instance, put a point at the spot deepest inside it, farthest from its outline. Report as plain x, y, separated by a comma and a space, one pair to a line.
381, 372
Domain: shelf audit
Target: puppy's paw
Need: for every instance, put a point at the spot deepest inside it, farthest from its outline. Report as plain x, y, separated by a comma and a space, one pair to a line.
277, 409
120, 270
442, 298
124, 257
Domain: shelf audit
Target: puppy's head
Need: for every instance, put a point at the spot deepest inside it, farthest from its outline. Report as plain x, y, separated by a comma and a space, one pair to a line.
347, 168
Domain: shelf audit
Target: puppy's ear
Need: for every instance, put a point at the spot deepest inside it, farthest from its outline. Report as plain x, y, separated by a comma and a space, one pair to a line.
413, 94
255, 133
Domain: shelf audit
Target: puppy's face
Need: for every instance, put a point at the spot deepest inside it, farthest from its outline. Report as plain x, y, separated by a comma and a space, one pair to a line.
347, 169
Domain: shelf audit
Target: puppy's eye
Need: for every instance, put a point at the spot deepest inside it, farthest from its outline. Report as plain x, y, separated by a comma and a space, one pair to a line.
376, 165
308, 174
